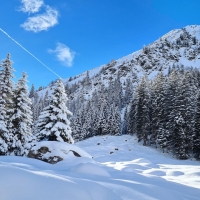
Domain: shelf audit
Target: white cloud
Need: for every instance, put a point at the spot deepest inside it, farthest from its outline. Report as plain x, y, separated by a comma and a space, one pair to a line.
64, 54
31, 6
43, 21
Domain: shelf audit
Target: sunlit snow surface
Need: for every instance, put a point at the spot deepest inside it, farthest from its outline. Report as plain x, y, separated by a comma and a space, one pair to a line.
131, 172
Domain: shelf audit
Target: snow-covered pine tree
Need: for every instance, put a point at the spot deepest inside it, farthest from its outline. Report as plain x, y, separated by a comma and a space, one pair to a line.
46, 99
157, 114
87, 82
102, 122
22, 118
95, 121
88, 125
6, 106
161, 138
34, 106
117, 125
77, 127
83, 132
125, 122
114, 120
142, 116
138, 119
82, 114
170, 92
53, 123
196, 135
86, 128
32, 91
179, 138
176, 124
38, 107
72, 124
188, 111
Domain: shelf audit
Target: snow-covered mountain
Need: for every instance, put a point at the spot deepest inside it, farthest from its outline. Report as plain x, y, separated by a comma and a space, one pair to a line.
178, 47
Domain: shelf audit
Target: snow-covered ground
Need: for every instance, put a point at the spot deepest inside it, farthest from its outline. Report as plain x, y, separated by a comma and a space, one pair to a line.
120, 169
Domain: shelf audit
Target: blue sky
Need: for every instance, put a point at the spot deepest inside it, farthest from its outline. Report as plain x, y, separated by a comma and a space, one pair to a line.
72, 36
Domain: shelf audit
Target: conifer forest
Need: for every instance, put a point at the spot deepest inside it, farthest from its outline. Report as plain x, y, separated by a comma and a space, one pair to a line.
163, 110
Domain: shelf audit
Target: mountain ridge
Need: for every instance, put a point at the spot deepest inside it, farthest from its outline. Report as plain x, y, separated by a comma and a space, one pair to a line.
179, 47
170, 34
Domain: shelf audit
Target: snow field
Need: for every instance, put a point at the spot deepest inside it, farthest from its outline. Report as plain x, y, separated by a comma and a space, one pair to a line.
131, 172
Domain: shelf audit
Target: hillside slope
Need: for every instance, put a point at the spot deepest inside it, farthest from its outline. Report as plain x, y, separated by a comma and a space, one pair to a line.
92, 93
178, 47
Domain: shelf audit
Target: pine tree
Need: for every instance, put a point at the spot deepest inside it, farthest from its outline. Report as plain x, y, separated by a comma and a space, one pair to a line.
139, 116
32, 91
87, 80
84, 132
34, 106
117, 122
87, 126
6, 106
142, 116
161, 138
77, 129
157, 98
22, 118
102, 123
131, 126
53, 124
188, 90
196, 135
46, 99
125, 122
95, 121
114, 121
179, 138
170, 111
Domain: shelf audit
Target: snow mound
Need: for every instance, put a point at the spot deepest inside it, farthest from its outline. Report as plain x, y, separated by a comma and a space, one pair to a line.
53, 152
30, 185
90, 168
175, 173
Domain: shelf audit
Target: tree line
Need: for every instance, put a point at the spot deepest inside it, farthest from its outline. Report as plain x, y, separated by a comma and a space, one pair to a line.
165, 112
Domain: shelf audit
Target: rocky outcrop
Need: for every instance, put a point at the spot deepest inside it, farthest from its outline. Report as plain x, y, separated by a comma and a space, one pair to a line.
40, 155
53, 152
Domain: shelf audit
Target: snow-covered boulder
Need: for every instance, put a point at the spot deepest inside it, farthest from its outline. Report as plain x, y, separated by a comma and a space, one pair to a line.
53, 152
